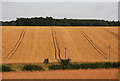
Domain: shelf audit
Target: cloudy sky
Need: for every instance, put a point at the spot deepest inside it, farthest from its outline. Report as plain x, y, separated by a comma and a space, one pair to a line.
79, 10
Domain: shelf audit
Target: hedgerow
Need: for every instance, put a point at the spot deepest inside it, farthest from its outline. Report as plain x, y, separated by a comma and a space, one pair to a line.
96, 65
6, 68
30, 67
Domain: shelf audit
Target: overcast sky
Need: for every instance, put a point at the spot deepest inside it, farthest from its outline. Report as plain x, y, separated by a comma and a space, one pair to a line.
59, 0
79, 10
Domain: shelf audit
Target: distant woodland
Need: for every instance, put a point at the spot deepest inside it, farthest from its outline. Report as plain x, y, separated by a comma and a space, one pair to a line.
49, 21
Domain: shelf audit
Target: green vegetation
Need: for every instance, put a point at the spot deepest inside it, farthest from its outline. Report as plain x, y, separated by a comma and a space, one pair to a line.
46, 61
65, 64
54, 67
30, 67
97, 65
49, 21
6, 68
62, 65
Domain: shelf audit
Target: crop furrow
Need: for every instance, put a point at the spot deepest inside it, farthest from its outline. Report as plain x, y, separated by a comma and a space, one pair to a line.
11, 53
112, 33
93, 44
17, 46
56, 46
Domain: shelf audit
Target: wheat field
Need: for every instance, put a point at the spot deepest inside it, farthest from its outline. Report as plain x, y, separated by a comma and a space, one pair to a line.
33, 44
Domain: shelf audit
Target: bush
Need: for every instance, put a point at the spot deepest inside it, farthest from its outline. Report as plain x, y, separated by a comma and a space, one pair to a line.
98, 65
55, 67
116, 65
0, 68
108, 65
30, 67
75, 66
6, 68
65, 64
87, 66
46, 61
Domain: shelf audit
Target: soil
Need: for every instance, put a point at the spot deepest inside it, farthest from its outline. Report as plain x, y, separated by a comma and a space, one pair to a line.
64, 74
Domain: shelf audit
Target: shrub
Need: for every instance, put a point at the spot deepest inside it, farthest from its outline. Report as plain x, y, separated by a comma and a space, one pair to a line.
65, 64
46, 61
0, 68
108, 65
87, 66
75, 66
116, 65
55, 67
6, 68
30, 67
98, 65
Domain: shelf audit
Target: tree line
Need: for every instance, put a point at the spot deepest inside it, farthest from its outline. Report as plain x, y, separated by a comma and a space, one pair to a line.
49, 21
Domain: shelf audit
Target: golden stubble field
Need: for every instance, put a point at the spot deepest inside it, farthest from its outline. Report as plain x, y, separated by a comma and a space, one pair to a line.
32, 44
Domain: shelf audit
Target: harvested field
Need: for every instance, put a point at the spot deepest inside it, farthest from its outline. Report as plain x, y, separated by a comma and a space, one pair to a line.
33, 44
64, 74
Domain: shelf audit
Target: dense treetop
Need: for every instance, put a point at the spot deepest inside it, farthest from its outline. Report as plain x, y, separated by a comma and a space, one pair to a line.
49, 21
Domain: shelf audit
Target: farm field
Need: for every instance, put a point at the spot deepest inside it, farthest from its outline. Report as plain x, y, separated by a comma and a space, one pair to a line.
32, 44
64, 74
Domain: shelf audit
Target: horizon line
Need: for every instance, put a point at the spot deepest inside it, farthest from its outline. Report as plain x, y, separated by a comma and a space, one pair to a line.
59, 18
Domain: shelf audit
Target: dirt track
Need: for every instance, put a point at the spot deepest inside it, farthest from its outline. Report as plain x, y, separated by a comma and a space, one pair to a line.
64, 74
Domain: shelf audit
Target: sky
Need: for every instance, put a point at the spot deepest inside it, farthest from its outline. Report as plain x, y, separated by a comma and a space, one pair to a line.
60, 0
75, 10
